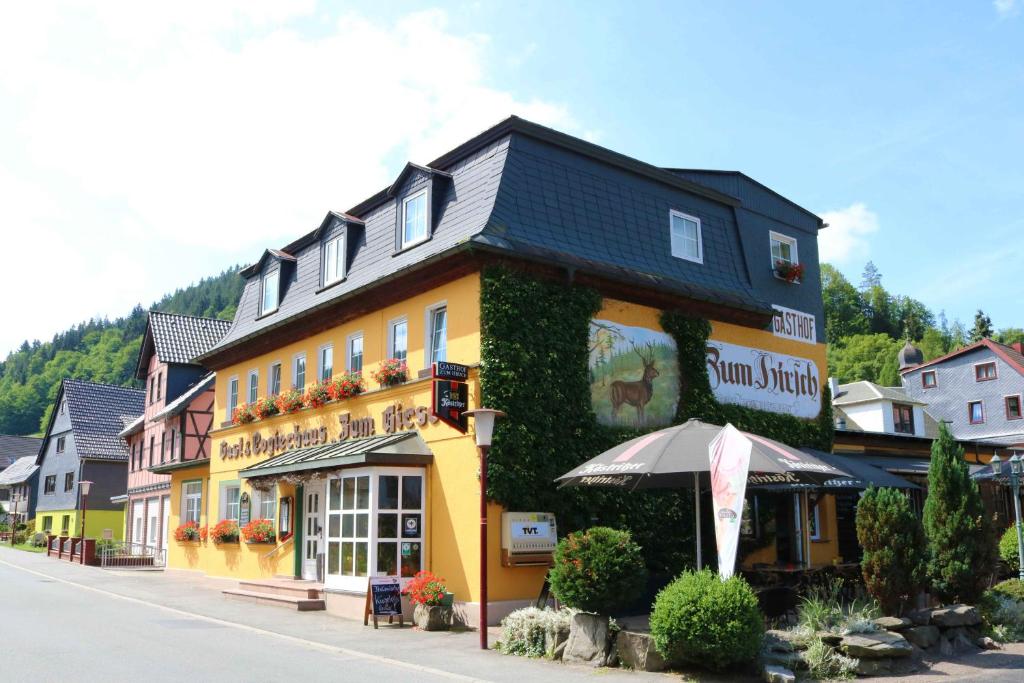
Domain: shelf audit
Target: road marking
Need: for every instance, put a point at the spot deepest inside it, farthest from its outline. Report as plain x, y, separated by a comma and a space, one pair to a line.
332, 649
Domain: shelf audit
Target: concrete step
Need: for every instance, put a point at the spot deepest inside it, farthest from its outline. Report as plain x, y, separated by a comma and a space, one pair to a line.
300, 604
304, 589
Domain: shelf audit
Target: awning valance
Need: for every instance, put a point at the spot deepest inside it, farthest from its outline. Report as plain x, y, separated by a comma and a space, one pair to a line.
407, 448
865, 473
910, 465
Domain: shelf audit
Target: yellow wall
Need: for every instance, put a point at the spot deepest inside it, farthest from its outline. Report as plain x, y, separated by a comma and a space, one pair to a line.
96, 521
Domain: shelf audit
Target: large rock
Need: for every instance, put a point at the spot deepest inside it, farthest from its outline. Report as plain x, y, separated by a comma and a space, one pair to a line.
830, 638
788, 660
778, 674
637, 651
921, 617
873, 667
554, 642
893, 623
875, 645
778, 640
922, 636
955, 615
588, 640
986, 643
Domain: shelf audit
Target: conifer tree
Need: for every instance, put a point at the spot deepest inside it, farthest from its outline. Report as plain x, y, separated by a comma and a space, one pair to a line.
960, 543
893, 563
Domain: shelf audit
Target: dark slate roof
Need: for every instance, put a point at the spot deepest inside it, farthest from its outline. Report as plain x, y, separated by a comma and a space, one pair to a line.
20, 470
178, 338
14, 447
98, 413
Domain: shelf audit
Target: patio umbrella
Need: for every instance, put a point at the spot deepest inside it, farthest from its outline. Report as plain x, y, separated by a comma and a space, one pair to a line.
677, 457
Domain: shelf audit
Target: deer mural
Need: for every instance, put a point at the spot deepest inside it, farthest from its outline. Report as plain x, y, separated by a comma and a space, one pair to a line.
637, 394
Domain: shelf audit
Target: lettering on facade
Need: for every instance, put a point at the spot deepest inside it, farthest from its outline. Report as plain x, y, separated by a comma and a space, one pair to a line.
764, 380
796, 325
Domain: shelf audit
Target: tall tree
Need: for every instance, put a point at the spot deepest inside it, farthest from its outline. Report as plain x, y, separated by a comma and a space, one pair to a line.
961, 548
870, 277
1009, 335
881, 312
913, 317
982, 326
871, 357
957, 335
844, 306
893, 564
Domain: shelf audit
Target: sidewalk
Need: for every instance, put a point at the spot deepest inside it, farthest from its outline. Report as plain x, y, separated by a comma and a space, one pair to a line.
455, 652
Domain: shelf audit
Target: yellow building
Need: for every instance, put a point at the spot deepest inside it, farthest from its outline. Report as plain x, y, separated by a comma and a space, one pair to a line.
377, 483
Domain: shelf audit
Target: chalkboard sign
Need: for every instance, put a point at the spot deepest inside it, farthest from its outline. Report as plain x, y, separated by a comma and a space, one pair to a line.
244, 510
383, 599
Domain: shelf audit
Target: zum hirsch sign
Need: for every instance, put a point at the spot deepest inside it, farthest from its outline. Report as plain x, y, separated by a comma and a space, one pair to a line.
764, 380
394, 419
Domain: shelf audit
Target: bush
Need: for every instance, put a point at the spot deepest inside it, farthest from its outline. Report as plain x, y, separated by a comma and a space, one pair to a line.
960, 545
702, 619
894, 558
598, 570
1008, 549
1002, 606
523, 631
1011, 588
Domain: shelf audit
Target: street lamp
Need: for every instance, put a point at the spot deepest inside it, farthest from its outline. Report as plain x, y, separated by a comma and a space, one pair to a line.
1016, 465
483, 421
84, 487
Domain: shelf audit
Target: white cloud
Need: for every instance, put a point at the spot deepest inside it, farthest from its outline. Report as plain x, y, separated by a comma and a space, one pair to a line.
846, 237
1006, 8
147, 141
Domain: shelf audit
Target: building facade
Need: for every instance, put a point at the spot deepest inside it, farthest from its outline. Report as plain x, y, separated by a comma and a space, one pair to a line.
12, 450
376, 483
82, 443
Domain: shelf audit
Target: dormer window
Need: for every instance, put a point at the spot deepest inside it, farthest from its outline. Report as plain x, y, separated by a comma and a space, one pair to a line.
686, 237
414, 219
783, 250
271, 292
334, 260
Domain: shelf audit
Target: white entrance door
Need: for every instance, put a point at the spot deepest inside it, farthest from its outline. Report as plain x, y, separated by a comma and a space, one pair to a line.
138, 517
166, 503
312, 532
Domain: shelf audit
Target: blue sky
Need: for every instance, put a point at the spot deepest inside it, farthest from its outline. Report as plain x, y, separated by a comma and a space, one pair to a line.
142, 148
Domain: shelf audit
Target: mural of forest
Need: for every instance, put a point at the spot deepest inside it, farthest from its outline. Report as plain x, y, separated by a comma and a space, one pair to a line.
634, 375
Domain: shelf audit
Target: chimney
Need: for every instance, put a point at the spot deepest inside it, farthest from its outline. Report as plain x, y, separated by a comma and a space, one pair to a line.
1018, 347
833, 387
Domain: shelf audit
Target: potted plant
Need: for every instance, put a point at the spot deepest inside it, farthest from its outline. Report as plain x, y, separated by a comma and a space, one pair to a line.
259, 531
391, 372
318, 394
189, 531
289, 401
790, 272
226, 531
265, 407
433, 602
346, 386
242, 414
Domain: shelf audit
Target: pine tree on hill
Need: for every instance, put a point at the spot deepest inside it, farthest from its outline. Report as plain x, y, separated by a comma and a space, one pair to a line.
982, 326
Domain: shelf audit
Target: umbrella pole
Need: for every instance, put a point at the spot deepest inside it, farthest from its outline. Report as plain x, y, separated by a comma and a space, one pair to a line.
696, 514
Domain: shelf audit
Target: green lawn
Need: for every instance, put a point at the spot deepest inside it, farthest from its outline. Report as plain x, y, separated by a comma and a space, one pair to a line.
30, 548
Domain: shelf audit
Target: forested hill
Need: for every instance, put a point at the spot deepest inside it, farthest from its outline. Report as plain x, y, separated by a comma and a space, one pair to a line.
97, 350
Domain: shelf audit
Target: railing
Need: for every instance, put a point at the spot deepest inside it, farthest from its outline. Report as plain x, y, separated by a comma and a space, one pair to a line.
276, 548
128, 555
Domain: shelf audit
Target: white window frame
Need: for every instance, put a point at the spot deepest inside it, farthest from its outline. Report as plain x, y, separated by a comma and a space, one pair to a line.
153, 512
339, 259
428, 337
232, 401
270, 377
276, 275
426, 219
359, 583
227, 505
252, 389
295, 370
391, 337
681, 254
320, 365
782, 239
262, 498
188, 496
348, 352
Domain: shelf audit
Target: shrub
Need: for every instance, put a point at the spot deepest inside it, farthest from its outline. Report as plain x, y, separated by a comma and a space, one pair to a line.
425, 589
257, 531
700, 618
226, 531
960, 544
1008, 548
523, 631
893, 564
1002, 606
598, 570
1011, 588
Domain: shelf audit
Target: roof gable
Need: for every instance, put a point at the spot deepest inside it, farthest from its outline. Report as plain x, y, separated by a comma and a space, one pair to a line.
19, 471
276, 254
177, 338
98, 413
1012, 357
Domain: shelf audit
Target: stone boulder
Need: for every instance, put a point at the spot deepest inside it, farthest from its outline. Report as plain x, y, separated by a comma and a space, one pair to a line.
922, 636
893, 623
873, 667
955, 615
788, 660
830, 638
986, 643
778, 674
879, 645
778, 640
920, 617
636, 651
588, 640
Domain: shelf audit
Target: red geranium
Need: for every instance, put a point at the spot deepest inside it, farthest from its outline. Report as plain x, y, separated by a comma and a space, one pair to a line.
226, 531
391, 372
265, 407
790, 272
289, 401
189, 531
425, 589
346, 386
242, 414
259, 531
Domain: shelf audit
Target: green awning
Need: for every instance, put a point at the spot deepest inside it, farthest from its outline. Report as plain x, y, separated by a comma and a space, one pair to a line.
407, 448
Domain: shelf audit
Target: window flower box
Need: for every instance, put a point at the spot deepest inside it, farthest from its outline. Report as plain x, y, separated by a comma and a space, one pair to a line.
242, 414
187, 533
391, 372
792, 273
318, 394
346, 386
265, 407
259, 531
289, 401
225, 531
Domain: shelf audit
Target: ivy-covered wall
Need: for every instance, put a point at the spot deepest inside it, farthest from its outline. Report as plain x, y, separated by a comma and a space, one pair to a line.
534, 360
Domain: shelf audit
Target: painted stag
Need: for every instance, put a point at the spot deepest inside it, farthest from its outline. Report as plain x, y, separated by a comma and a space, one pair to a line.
637, 394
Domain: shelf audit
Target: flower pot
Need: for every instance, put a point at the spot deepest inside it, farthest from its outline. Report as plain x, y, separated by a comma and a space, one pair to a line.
432, 617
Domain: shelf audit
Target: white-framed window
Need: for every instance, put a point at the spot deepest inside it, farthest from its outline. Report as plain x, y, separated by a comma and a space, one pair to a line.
437, 334
191, 500
325, 362
230, 493
354, 349
254, 385
274, 378
375, 522
299, 371
414, 219
61, 440
138, 521
783, 249
266, 504
687, 242
232, 396
334, 259
153, 507
271, 292
398, 339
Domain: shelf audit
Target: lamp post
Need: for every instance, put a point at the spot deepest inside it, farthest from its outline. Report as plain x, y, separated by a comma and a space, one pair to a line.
84, 487
14, 519
1016, 465
483, 421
